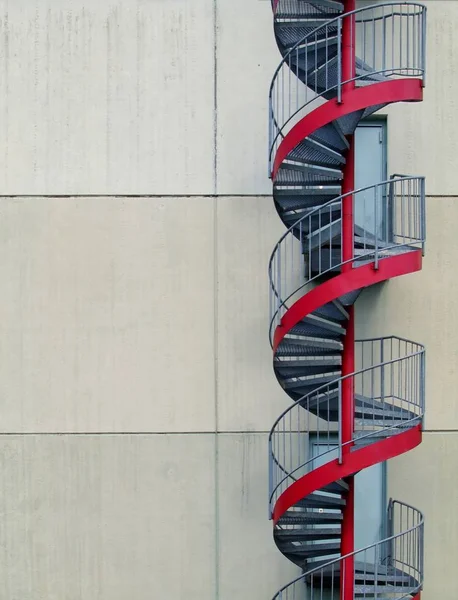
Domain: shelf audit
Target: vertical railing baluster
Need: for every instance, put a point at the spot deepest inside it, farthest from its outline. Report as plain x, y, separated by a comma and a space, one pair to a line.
339, 60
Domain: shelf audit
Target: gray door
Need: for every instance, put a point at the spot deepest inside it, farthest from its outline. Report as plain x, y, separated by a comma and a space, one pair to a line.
370, 168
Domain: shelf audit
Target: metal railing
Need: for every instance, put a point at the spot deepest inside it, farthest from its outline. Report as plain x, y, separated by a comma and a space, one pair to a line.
389, 218
389, 39
393, 565
389, 393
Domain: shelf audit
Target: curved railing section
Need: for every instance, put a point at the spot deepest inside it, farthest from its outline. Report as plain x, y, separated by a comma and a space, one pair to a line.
399, 558
389, 385
390, 40
337, 69
390, 220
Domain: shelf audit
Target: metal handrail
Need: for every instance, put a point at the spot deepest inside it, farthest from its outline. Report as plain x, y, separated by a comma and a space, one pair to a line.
341, 445
358, 342
416, 71
359, 372
422, 8
371, 252
341, 559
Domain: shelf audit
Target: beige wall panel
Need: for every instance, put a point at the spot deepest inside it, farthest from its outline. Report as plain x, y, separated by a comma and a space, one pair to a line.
249, 396
422, 307
247, 57
250, 564
107, 314
426, 478
107, 518
421, 137
106, 97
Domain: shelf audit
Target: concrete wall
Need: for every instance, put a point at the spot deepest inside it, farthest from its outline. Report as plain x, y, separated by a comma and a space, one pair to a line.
135, 229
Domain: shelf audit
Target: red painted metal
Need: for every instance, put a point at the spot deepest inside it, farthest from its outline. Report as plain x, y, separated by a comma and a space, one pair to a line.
385, 92
347, 582
359, 459
348, 356
359, 278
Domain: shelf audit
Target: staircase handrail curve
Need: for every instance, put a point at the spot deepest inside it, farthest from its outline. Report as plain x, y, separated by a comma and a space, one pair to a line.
354, 374
420, 350
334, 561
282, 302
371, 252
369, 434
340, 446
419, 5
420, 71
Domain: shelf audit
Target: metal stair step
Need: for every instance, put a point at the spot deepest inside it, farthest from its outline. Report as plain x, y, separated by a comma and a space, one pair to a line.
328, 234
322, 147
374, 422
350, 298
368, 579
336, 487
307, 384
323, 323
349, 122
290, 348
365, 574
293, 174
311, 550
302, 21
333, 311
328, 6
319, 218
299, 203
313, 45
291, 517
331, 258
372, 109
365, 412
317, 500
321, 68
376, 436
331, 136
292, 368
386, 590
314, 174
367, 403
300, 219
323, 343
307, 534
312, 330
312, 155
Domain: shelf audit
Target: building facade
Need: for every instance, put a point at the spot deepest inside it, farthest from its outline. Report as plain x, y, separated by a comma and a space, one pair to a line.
136, 225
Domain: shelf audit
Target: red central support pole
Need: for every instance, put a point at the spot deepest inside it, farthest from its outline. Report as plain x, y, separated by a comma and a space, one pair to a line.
347, 579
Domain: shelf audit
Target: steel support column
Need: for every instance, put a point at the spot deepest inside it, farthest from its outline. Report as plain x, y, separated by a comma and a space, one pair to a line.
348, 358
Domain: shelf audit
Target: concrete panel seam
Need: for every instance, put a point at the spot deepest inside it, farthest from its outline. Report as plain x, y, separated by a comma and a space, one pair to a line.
215, 294
136, 433
161, 196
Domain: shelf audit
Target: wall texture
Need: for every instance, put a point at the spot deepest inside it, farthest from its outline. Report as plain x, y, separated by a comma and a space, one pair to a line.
135, 228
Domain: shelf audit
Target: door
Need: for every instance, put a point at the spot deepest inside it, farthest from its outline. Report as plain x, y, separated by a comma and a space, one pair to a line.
370, 168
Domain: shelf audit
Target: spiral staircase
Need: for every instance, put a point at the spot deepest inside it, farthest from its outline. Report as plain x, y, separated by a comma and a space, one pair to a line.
362, 401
